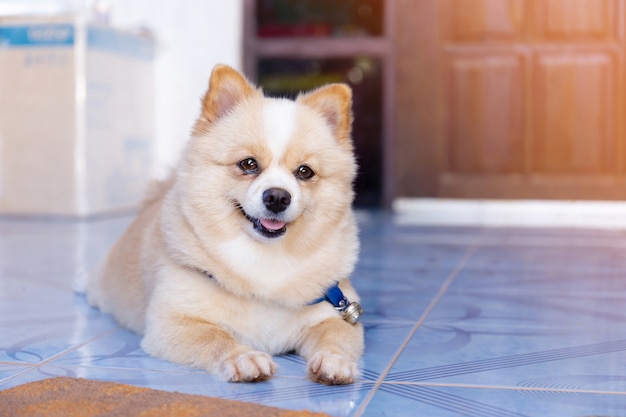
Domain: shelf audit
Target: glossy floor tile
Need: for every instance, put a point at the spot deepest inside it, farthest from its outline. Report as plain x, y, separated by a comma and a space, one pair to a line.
460, 321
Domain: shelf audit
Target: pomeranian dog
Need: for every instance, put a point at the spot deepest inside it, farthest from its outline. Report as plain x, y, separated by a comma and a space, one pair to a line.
245, 251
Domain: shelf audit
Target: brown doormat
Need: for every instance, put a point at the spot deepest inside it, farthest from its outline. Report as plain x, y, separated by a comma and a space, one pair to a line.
75, 397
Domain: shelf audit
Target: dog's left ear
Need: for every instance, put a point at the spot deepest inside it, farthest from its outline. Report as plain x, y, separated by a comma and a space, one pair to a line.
227, 87
334, 102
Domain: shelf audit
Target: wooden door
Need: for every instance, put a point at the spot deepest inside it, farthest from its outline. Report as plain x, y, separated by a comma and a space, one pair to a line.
510, 99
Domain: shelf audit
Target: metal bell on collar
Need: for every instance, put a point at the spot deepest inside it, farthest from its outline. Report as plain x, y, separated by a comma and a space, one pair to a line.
352, 313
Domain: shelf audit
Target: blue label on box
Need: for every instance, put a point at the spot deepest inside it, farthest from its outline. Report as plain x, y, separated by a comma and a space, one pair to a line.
104, 39
37, 35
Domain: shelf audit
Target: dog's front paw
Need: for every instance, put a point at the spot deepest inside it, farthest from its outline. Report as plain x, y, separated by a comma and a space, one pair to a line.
249, 366
332, 368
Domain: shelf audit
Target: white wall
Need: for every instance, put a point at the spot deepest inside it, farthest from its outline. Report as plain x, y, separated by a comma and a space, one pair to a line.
193, 35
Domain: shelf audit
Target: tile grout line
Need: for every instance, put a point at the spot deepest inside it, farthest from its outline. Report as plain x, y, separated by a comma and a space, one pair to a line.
78, 346
444, 288
506, 388
33, 366
130, 368
29, 368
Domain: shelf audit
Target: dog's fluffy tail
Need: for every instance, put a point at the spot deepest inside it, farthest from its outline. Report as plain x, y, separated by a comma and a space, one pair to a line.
83, 278
157, 189
154, 192
80, 282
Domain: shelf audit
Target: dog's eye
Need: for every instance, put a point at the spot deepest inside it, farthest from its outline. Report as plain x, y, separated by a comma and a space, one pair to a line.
249, 166
304, 172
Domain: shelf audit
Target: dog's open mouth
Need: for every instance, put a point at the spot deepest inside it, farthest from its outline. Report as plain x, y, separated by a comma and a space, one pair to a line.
265, 226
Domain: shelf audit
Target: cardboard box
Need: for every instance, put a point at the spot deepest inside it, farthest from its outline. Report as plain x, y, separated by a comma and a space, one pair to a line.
76, 117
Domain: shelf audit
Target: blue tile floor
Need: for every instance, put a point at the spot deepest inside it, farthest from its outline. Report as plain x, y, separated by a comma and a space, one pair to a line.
460, 321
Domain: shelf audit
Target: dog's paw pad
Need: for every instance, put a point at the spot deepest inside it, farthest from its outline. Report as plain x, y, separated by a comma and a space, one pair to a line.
249, 366
332, 368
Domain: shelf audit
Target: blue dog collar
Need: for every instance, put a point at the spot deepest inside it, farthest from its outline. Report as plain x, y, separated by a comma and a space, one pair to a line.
333, 295
350, 312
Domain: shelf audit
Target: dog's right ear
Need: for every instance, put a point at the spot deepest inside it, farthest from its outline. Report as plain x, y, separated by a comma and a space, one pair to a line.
227, 87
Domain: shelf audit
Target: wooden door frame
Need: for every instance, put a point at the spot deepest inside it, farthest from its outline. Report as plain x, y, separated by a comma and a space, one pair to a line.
418, 118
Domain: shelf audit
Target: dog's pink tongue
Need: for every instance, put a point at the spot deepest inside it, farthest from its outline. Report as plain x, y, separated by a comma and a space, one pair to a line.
272, 224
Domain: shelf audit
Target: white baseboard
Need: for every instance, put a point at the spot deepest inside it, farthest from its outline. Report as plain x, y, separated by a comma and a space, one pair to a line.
511, 213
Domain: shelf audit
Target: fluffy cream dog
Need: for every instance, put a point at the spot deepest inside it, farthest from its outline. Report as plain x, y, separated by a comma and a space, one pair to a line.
231, 258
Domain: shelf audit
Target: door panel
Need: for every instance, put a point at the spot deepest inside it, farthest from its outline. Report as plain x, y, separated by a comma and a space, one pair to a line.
574, 113
485, 105
575, 19
472, 20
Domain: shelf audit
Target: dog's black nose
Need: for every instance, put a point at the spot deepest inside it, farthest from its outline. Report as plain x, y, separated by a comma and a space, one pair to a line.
276, 199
